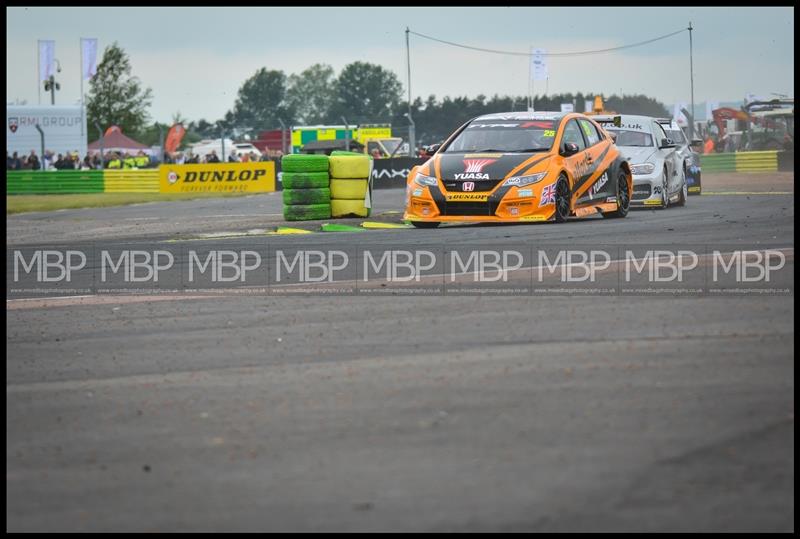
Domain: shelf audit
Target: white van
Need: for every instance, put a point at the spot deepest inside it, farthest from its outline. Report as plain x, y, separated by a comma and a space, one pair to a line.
243, 148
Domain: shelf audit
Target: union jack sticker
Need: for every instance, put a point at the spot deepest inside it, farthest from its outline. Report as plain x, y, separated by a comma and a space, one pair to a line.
548, 195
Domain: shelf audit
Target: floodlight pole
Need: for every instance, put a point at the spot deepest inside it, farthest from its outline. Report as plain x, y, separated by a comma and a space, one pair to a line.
691, 79
412, 143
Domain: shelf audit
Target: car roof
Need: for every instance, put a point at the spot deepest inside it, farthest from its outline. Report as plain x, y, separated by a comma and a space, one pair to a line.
523, 115
636, 117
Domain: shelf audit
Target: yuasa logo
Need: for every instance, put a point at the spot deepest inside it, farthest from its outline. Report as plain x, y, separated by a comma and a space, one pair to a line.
599, 185
476, 165
469, 186
473, 169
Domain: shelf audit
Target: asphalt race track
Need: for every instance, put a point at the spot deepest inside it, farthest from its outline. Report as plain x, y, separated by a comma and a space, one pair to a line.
446, 413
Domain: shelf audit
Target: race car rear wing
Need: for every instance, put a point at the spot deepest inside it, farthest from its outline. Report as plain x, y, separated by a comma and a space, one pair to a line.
615, 120
664, 121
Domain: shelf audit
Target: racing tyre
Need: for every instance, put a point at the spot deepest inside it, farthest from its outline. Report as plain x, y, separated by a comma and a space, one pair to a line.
305, 180
684, 191
304, 163
425, 224
623, 198
306, 196
307, 212
562, 200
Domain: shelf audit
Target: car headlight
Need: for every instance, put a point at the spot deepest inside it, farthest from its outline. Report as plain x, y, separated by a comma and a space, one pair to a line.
644, 168
428, 181
519, 181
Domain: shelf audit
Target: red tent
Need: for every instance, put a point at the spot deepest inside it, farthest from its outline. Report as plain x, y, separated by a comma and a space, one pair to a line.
117, 142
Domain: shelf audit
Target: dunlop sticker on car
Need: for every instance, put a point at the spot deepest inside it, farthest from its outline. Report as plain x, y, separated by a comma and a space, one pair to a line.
254, 177
467, 197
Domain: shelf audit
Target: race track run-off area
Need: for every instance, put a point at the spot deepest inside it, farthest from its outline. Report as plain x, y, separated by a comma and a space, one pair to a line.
447, 412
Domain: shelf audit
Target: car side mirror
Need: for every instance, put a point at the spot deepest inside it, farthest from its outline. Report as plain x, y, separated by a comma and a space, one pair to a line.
570, 148
666, 143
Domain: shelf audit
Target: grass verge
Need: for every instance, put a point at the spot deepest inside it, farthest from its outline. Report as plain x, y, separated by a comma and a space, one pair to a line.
30, 203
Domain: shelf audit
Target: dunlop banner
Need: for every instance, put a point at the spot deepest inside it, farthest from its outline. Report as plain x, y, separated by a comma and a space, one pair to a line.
254, 177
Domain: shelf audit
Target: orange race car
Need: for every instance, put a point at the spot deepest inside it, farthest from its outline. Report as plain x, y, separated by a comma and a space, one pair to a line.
518, 167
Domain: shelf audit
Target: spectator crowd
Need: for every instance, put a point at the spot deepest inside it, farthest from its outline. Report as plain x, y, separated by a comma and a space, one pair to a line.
124, 160
72, 161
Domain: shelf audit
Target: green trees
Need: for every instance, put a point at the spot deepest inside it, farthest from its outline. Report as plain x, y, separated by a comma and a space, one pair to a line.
362, 93
311, 94
116, 97
365, 93
261, 101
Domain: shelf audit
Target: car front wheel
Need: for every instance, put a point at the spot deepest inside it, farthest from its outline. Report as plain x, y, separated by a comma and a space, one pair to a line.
562, 199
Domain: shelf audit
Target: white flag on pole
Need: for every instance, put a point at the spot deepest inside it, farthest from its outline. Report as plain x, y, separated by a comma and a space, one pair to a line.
539, 64
678, 116
47, 57
89, 57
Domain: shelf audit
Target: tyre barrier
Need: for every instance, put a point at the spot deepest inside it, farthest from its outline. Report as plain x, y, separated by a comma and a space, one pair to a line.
293, 197
307, 212
306, 187
350, 191
297, 162
349, 208
349, 188
305, 180
766, 161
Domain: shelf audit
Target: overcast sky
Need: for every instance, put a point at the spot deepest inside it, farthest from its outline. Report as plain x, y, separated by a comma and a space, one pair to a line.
195, 59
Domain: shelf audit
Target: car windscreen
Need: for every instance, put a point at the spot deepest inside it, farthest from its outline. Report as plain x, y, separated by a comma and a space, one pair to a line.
624, 137
505, 136
676, 136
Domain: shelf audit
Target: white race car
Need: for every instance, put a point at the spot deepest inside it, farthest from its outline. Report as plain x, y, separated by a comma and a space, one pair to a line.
659, 171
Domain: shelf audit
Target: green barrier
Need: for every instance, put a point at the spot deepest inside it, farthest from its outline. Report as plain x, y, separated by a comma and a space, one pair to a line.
32, 182
766, 161
718, 162
757, 161
131, 181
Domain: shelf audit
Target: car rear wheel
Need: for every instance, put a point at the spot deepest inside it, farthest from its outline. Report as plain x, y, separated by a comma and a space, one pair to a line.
623, 198
562, 199
424, 224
